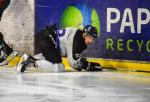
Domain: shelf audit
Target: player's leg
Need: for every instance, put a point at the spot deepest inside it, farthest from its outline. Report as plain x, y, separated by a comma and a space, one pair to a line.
50, 67
3, 5
51, 54
5, 51
27, 61
4, 46
41, 63
47, 44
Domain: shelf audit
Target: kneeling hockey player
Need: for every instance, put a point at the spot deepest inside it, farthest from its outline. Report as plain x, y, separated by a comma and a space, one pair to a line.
55, 43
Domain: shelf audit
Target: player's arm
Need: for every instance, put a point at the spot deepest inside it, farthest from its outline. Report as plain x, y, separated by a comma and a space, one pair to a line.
75, 58
82, 63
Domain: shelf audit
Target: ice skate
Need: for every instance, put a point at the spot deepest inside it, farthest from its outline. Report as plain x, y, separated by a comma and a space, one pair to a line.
25, 62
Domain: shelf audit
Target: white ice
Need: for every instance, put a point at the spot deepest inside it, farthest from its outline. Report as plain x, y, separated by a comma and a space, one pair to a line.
106, 86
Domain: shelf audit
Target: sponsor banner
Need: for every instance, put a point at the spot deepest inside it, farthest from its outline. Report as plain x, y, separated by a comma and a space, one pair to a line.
123, 25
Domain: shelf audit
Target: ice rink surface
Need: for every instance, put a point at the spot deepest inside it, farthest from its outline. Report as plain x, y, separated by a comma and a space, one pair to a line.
106, 86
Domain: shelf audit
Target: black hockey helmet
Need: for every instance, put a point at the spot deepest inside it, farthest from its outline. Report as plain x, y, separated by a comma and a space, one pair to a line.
91, 30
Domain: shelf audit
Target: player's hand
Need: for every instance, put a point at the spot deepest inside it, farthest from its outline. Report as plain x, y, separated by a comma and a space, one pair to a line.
94, 67
81, 64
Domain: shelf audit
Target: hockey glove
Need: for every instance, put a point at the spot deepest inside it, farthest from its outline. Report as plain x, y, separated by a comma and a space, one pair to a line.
92, 66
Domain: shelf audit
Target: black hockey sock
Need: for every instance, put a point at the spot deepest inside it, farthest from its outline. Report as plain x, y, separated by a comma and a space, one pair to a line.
1, 38
6, 49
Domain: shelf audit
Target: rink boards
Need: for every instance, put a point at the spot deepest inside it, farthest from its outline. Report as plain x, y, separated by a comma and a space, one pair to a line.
117, 64
123, 41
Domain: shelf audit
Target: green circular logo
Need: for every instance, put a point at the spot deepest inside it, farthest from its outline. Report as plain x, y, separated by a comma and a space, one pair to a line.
79, 15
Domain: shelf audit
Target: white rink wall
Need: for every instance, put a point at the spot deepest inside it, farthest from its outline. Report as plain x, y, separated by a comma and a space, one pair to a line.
17, 25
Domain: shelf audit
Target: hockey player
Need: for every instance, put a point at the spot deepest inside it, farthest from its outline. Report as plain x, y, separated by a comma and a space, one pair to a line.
5, 49
55, 43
